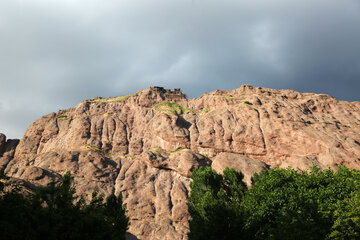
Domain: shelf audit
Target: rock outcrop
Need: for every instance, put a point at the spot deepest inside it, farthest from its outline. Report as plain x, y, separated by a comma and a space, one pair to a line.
248, 166
7, 150
144, 146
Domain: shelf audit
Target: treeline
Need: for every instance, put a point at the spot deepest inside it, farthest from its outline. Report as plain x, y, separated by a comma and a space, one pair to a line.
281, 204
53, 212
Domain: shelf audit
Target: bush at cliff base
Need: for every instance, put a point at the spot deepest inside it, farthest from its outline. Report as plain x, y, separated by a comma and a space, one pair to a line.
281, 204
53, 212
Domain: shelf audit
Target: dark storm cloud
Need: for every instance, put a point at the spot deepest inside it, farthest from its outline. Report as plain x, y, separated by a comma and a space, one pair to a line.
54, 54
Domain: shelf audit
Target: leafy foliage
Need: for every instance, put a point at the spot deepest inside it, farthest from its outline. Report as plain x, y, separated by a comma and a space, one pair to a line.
50, 213
214, 203
347, 219
281, 204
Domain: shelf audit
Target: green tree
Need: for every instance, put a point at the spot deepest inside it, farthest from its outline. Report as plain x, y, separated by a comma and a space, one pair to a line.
53, 212
16, 213
214, 203
281, 204
347, 220
290, 204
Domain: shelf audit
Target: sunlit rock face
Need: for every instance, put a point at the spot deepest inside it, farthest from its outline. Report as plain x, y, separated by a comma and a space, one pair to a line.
144, 146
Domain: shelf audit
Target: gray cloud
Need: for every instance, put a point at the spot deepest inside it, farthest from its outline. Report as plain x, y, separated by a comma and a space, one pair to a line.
55, 54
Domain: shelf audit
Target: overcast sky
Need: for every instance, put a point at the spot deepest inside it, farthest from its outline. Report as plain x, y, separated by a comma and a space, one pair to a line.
56, 53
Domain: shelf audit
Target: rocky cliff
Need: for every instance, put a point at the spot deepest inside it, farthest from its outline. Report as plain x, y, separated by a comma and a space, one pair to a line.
144, 146
7, 150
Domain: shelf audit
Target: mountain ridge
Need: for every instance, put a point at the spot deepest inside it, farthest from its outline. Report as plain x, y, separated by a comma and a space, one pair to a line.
145, 145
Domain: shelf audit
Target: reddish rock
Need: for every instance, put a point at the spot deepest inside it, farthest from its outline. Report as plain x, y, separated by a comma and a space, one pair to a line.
7, 150
125, 146
182, 161
247, 166
2, 142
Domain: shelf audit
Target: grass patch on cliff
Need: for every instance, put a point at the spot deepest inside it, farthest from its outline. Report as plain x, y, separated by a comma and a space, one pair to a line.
247, 103
61, 117
172, 108
108, 114
92, 147
112, 99
96, 149
179, 149
205, 111
230, 97
159, 151
156, 150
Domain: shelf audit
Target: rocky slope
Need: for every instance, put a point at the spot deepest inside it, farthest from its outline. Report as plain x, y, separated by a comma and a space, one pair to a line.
144, 146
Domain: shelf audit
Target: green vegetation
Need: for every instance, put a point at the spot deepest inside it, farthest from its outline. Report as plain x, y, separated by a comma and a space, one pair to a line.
172, 153
248, 104
156, 150
177, 150
107, 114
54, 212
205, 111
225, 96
159, 151
110, 99
172, 108
61, 116
281, 204
347, 223
94, 148
214, 204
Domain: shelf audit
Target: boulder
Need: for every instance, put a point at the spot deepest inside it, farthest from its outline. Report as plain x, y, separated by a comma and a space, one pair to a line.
248, 166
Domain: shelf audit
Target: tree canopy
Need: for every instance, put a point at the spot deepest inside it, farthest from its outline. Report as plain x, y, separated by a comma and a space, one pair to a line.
281, 204
54, 212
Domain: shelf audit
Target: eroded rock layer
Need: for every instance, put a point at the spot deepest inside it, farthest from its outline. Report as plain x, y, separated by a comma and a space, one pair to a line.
144, 146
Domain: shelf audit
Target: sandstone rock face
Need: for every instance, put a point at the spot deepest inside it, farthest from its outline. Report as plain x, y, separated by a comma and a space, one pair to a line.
7, 150
130, 146
2, 141
248, 166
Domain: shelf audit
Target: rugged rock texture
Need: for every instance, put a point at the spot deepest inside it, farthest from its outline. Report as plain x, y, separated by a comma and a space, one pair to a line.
144, 148
248, 166
7, 150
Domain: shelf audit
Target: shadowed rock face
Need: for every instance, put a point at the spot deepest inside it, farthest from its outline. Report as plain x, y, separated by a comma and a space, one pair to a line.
146, 152
7, 150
